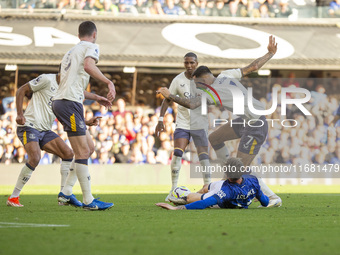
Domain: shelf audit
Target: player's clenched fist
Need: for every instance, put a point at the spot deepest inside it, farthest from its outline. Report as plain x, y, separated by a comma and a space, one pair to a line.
20, 120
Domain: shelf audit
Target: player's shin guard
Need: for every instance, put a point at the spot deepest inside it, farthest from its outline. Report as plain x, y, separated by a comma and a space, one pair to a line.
64, 170
176, 164
24, 176
84, 179
70, 181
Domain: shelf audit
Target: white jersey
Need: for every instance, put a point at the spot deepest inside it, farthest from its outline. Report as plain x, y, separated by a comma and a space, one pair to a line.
231, 78
39, 113
187, 119
73, 78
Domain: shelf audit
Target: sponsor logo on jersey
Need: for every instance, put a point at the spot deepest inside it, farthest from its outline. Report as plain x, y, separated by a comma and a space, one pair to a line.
250, 192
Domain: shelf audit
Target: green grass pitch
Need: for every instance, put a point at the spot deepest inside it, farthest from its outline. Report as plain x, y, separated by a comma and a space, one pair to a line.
307, 223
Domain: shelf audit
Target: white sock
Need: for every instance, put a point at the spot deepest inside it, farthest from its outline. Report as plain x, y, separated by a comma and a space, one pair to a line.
266, 190
70, 181
23, 177
176, 164
222, 154
64, 170
84, 179
206, 173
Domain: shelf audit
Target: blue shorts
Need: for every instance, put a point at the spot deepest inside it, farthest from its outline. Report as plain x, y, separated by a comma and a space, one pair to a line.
28, 134
71, 116
199, 136
252, 137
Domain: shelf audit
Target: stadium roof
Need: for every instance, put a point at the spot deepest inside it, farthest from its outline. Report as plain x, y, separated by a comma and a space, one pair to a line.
154, 42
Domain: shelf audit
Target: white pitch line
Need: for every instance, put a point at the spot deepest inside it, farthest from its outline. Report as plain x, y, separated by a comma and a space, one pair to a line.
32, 225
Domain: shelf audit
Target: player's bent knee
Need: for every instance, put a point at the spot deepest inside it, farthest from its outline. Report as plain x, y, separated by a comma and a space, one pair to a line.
211, 139
205, 188
178, 152
34, 160
68, 154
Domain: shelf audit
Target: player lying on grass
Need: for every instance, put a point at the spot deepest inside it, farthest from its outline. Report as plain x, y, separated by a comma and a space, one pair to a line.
251, 136
238, 191
34, 131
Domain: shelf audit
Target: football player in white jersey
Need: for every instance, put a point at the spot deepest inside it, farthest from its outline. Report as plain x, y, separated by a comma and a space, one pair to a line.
251, 137
77, 65
189, 123
34, 131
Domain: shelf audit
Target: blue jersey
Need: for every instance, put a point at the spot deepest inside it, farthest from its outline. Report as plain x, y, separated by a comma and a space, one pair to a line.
338, 111
234, 195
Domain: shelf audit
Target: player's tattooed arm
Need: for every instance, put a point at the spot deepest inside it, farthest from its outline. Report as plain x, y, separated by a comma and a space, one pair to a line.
258, 63
190, 103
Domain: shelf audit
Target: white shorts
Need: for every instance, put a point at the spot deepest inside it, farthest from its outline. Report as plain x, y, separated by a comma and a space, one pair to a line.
213, 188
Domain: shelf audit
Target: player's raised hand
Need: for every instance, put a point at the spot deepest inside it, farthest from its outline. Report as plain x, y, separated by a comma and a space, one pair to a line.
165, 92
21, 120
159, 128
272, 46
104, 101
94, 121
112, 92
166, 206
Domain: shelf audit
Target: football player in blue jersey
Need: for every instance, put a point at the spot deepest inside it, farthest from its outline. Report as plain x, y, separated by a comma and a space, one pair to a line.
238, 191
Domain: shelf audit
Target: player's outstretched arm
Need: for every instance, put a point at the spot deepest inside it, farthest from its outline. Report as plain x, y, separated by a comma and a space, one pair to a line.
190, 103
91, 68
258, 63
19, 99
167, 206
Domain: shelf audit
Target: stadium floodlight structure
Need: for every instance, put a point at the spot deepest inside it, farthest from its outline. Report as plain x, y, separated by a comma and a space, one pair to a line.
11, 67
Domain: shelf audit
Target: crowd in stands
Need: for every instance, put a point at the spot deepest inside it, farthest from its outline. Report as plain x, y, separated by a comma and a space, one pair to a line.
127, 135
225, 8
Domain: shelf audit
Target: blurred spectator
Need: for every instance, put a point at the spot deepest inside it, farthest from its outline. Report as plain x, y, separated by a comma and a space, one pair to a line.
264, 13
273, 8
92, 5
334, 9
156, 8
124, 155
127, 6
121, 108
171, 9
141, 6
188, 8
108, 6
285, 9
